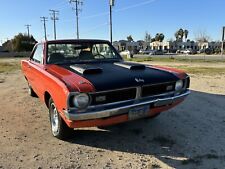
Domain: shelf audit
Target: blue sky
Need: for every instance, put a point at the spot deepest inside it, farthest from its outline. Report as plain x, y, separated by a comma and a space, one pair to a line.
130, 17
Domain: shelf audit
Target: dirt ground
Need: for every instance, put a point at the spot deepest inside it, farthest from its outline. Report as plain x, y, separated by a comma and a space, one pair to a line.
190, 136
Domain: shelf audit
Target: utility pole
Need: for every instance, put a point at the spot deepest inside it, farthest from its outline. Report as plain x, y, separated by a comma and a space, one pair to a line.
223, 38
111, 4
28, 29
44, 20
77, 9
54, 18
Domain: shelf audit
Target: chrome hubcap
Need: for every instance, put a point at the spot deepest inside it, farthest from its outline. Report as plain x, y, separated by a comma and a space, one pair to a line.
29, 89
54, 119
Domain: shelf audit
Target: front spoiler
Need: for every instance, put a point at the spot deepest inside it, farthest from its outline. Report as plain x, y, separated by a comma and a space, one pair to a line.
89, 115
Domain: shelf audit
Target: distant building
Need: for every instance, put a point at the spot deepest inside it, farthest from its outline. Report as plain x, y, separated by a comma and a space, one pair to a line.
172, 46
126, 45
143, 45
156, 45
211, 45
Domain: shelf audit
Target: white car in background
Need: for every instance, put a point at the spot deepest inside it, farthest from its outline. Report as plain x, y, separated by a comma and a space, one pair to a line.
145, 52
186, 51
126, 53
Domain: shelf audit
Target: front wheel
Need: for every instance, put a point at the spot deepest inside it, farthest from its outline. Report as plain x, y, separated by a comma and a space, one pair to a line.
154, 116
59, 128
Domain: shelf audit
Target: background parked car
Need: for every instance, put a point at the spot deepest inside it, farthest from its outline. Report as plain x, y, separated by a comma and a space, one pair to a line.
207, 51
127, 54
187, 51
156, 52
145, 52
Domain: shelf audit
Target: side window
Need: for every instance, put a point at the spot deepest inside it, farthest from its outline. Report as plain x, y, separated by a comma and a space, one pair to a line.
38, 54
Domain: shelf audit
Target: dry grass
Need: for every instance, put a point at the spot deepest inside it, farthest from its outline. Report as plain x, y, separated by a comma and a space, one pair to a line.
7, 67
10, 65
173, 60
202, 70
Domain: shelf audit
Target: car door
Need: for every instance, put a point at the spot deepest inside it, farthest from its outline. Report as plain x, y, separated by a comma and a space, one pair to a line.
35, 69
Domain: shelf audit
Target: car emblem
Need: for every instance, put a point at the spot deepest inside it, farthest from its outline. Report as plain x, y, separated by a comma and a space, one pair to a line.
139, 80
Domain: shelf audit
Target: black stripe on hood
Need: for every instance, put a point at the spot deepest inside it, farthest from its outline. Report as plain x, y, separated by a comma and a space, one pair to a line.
114, 76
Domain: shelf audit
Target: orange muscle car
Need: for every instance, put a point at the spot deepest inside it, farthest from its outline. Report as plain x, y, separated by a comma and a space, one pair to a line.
86, 83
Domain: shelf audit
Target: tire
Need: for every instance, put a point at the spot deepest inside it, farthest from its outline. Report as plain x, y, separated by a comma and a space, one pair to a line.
153, 117
59, 128
31, 91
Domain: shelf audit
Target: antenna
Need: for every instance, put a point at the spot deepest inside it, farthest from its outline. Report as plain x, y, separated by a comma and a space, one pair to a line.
111, 4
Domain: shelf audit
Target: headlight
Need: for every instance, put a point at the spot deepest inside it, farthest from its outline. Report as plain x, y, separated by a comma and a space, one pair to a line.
81, 100
179, 85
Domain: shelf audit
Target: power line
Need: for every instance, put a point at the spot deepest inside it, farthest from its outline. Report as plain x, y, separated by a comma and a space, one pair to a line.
96, 27
44, 20
120, 9
60, 5
135, 5
77, 9
55, 18
28, 29
115, 11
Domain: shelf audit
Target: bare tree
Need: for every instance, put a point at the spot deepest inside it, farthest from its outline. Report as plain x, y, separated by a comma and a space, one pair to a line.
147, 37
202, 36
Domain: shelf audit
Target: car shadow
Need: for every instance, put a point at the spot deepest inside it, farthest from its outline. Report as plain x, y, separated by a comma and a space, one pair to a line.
189, 134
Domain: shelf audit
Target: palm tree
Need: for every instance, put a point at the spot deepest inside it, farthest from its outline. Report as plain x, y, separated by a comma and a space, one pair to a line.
179, 35
161, 37
157, 37
176, 35
186, 34
130, 39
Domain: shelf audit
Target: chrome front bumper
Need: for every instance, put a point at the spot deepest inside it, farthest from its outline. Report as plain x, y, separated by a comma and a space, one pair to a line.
123, 108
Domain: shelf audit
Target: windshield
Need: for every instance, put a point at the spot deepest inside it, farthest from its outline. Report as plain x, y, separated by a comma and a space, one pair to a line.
62, 53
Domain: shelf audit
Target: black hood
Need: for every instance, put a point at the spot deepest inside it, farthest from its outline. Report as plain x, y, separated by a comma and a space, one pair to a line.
109, 76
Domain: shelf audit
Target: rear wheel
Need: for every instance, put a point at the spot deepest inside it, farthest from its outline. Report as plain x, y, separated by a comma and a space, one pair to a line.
31, 91
58, 127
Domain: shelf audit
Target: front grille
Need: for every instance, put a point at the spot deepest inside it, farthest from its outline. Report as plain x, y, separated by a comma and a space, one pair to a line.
130, 94
157, 89
113, 96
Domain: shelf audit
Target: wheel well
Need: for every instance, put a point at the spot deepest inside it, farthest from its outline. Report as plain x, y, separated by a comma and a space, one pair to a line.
47, 96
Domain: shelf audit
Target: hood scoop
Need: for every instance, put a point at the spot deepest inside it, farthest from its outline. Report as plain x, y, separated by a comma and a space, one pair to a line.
85, 69
131, 66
